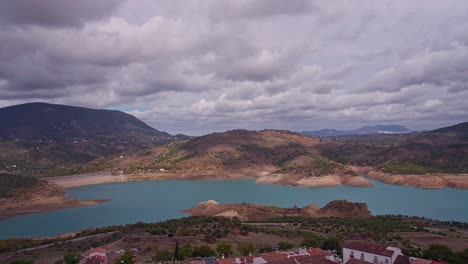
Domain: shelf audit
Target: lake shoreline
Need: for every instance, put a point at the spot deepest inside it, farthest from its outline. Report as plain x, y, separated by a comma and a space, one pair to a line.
149, 201
429, 181
22, 207
19, 208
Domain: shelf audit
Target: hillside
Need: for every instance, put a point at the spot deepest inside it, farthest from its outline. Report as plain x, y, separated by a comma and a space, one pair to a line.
41, 139
429, 160
270, 156
22, 195
42, 121
443, 150
258, 213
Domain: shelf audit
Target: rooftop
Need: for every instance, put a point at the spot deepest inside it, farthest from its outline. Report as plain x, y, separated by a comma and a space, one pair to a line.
370, 248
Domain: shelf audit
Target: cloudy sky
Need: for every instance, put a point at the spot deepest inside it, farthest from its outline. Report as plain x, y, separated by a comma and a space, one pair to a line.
210, 65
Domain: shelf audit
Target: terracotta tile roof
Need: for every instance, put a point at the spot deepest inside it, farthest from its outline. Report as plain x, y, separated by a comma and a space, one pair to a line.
319, 252
313, 260
370, 248
96, 260
356, 261
273, 256
97, 250
402, 260
227, 261
197, 262
247, 260
284, 261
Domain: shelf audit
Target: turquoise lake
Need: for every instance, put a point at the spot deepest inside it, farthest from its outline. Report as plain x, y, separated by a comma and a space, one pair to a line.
151, 201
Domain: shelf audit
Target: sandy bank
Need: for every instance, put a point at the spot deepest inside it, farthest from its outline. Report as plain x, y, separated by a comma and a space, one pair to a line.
16, 208
428, 181
86, 179
322, 181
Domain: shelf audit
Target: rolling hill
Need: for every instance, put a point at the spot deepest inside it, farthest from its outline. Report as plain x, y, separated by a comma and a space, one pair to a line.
39, 139
284, 157
271, 156
443, 150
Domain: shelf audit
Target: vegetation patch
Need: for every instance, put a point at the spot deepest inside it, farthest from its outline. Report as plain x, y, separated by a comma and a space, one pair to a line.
407, 168
9, 184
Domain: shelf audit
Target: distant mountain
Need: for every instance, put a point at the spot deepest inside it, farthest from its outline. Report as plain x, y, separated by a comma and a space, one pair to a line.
443, 150
50, 121
40, 139
365, 130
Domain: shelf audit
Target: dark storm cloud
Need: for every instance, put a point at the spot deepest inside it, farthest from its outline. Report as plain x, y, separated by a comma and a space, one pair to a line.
54, 13
199, 66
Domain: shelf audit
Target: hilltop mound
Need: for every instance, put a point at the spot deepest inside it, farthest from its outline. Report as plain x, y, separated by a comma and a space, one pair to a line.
253, 212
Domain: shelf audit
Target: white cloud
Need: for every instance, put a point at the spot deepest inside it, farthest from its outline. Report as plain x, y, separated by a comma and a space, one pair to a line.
200, 66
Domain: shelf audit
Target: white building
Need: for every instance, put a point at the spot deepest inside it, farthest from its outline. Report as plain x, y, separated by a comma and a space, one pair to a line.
362, 252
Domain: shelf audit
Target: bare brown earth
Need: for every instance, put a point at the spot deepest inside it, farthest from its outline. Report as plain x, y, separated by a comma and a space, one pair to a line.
40, 198
425, 239
326, 180
86, 179
428, 181
253, 212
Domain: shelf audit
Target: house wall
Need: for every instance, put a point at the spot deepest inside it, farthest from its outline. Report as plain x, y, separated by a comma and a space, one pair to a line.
396, 253
367, 256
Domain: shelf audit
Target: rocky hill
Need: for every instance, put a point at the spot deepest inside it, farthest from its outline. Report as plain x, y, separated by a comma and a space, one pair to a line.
253, 212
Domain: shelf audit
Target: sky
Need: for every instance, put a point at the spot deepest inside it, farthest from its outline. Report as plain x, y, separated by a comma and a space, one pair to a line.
201, 66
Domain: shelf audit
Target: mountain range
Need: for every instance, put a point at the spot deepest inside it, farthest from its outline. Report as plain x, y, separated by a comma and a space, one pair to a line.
365, 130
41, 139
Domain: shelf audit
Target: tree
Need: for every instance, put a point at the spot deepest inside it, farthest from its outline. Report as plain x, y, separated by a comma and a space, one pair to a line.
71, 258
224, 249
464, 255
331, 243
246, 248
163, 254
285, 245
442, 253
311, 242
21, 261
203, 251
264, 248
176, 252
186, 251
126, 258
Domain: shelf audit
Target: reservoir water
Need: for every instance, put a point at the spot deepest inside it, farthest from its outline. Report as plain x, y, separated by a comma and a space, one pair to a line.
152, 201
